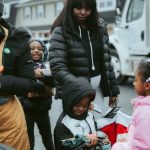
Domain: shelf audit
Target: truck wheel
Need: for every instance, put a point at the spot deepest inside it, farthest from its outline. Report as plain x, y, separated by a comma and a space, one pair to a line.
117, 67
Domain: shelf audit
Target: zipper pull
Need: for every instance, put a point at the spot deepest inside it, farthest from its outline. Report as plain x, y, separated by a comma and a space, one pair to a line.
93, 67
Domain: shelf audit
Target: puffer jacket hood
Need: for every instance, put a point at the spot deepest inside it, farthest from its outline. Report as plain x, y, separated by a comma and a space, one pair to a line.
73, 91
21, 32
16, 32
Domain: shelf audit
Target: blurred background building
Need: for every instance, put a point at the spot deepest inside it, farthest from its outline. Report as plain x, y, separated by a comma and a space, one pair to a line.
38, 15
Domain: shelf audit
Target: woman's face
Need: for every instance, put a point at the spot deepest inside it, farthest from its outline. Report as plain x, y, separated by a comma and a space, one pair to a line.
36, 50
81, 14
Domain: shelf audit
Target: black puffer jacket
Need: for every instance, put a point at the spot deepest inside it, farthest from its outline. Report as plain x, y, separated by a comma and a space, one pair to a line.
68, 60
18, 75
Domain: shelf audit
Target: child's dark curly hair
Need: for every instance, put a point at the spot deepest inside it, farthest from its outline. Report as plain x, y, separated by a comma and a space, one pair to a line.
144, 70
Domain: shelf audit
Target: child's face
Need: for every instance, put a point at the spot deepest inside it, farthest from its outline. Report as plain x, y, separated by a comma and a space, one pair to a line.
36, 50
82, 106
139, 85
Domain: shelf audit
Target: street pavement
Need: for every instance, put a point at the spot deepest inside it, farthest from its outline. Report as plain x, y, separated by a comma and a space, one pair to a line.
126, 94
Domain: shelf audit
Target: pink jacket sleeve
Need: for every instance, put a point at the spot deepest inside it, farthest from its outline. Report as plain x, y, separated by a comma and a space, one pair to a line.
139, 131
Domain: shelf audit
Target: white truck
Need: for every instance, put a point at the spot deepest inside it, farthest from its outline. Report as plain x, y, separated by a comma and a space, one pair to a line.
130, 40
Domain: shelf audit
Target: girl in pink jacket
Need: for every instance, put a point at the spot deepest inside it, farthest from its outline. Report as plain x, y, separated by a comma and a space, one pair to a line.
139, 129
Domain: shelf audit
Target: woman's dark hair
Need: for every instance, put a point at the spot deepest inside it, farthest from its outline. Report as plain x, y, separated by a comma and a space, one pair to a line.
66, 16
144, 69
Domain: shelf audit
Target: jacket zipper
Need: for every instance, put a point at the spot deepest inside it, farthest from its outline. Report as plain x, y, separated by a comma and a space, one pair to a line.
91, 48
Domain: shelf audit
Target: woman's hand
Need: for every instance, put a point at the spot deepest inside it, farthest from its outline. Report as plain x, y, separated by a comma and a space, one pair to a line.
113, 100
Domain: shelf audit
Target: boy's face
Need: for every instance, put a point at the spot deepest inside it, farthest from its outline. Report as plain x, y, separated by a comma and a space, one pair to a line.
82, 106
36, 50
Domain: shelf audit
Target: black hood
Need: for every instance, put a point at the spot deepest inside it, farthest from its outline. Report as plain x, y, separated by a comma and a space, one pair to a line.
16, 32
21, 32
73, 91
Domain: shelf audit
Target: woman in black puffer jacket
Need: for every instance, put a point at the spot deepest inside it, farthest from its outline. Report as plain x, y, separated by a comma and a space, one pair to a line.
79, 47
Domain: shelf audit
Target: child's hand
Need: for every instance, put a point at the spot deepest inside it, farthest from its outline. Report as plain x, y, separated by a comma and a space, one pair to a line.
91, 107
93, 140
38, 73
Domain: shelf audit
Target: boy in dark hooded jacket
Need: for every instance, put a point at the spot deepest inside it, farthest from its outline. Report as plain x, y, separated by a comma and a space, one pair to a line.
77, 119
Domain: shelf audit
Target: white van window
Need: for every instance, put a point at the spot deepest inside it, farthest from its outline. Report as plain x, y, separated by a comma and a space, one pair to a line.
135, 10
